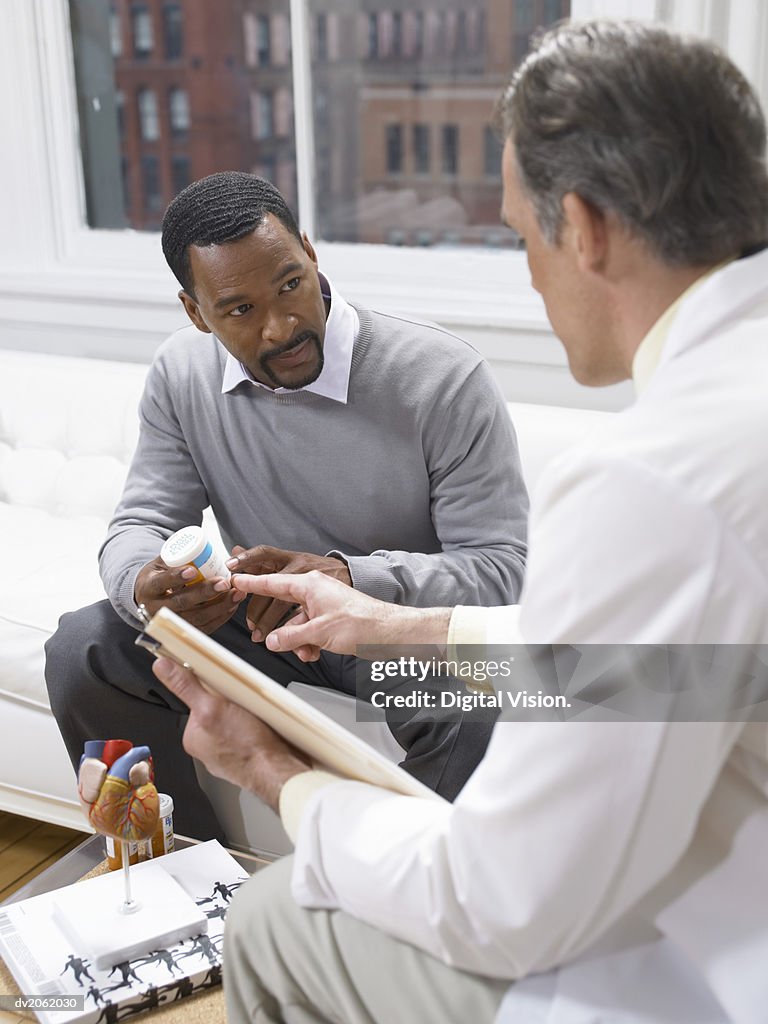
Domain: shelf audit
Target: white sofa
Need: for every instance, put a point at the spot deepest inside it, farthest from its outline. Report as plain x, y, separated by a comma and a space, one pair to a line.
67, 430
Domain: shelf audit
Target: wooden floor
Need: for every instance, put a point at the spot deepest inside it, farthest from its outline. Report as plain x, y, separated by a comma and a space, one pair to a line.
28, 847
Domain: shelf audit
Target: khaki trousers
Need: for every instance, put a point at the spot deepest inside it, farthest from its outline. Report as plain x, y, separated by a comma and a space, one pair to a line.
284, 963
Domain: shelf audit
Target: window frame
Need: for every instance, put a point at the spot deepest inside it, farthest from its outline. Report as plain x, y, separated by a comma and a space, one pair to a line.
148, 113
139, 11
179, 114
65, 287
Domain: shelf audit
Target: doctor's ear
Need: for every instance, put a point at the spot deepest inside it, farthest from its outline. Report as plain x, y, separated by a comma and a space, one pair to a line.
587, 230
193, 312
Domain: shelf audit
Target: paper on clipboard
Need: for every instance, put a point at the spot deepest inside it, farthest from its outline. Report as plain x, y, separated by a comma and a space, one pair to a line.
325, 741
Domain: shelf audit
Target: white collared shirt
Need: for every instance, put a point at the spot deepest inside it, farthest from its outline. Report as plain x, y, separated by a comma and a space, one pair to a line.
341, 330
648, 354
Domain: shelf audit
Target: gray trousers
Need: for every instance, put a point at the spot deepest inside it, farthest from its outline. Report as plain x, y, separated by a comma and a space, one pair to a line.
283, 963
101, 686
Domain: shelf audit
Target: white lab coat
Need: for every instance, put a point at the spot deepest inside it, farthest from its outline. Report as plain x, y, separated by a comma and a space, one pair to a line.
636, 854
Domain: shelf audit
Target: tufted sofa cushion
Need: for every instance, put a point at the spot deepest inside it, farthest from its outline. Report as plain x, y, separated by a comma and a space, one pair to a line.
67, 431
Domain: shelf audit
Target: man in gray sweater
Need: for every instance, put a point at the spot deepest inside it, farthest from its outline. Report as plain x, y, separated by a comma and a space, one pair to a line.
324, 436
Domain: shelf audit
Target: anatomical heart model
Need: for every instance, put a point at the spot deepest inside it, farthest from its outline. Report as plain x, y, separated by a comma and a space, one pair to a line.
117, 793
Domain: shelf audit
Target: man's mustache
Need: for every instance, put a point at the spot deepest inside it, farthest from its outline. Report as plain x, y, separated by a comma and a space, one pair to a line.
293, 343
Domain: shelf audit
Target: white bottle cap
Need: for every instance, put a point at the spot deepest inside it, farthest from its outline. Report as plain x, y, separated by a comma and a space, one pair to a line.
166, 804
183, 546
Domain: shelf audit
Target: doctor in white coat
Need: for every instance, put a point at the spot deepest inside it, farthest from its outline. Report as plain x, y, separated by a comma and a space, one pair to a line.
590, 871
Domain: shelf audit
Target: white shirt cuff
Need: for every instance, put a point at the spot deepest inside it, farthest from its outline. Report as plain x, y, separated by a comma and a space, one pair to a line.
467, 626
295, 795
497, 625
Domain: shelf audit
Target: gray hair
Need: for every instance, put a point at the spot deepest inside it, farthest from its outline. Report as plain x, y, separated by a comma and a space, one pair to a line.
662, 130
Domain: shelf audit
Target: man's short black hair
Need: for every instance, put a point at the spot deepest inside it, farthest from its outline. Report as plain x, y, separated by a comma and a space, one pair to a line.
220, 208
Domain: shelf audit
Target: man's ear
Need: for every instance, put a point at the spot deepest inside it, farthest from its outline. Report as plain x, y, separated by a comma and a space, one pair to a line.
193, 312
308, 249
587, 231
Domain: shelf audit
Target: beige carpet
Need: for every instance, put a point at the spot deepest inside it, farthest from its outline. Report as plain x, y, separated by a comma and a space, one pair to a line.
200, 1008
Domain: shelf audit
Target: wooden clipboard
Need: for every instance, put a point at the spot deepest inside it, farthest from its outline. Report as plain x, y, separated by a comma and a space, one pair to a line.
327, 743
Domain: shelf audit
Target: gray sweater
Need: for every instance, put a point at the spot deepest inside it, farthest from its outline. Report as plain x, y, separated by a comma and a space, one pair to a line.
416, 480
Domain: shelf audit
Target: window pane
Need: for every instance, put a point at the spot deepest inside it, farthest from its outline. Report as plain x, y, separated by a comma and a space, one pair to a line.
492, 153
115, 33
263, 39
403, 99
450, 149
150, 183
172, 90
421, 148
178, 109
180, 172
394, 148
149, 120
143, 32
173, 30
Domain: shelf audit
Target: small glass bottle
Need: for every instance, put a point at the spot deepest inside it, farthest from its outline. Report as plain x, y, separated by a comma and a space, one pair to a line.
115, 853
162, 840
190, 546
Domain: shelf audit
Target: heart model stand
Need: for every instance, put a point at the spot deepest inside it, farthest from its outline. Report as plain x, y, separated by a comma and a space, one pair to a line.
129, 904
118, 917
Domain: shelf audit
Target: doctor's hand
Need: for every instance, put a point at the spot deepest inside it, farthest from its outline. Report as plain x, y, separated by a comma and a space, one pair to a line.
230, 741
200, 604
334, 617
265, 612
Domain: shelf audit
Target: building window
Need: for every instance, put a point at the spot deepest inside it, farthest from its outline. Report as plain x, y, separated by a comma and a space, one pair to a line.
373, 35
143, 35
149, 120
263, 41
321, 36
115, 33
266, 116
421, 161
524, 15
491, 153
267, 169
173, 31
418, 34
450, 149
280, 43
180, 173
282, 111
249, 39
150, 184
441, 34
480, 32
394, 147
461, 33
397, 34
262, 115
285, 179
120, 112
521, 44
178, 111
125, 175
